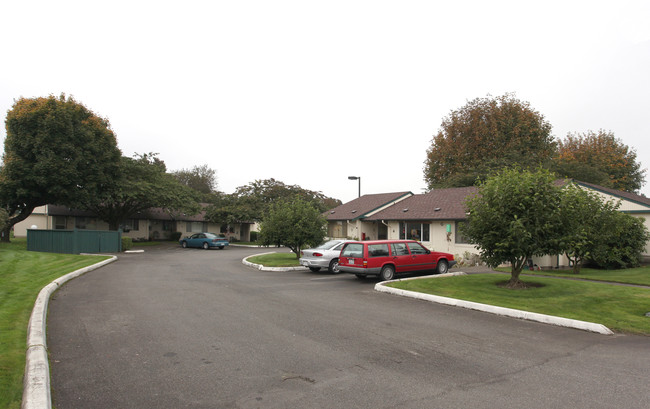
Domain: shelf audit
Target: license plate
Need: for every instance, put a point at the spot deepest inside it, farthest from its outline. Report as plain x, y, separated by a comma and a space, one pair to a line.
351, 260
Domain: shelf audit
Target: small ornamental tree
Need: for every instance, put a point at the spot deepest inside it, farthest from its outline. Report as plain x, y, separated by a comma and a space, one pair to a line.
585, 217
294, 223
621, 243
513, 217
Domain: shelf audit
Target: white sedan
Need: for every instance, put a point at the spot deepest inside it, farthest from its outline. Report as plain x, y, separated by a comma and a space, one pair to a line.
324, 256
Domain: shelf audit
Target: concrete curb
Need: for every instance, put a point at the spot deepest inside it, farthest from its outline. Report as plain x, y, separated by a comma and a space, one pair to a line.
507, 312
262, 268
36, 384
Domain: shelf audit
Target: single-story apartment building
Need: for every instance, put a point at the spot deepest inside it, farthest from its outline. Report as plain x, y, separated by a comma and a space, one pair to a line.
152, 224
348, 219
434, 219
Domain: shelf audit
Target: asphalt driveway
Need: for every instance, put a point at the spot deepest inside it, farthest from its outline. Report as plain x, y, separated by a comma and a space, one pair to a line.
175, 328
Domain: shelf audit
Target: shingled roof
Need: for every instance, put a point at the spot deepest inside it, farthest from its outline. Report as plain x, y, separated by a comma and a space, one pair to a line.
364, 206
439, 204
632, 197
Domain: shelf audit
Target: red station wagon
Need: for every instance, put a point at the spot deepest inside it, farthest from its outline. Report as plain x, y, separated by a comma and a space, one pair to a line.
386, 258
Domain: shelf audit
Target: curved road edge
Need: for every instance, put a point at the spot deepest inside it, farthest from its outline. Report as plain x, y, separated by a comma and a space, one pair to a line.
36, 383
262, 268
507, 312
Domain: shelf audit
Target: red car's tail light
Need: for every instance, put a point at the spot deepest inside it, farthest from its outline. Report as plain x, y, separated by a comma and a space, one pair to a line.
318, 254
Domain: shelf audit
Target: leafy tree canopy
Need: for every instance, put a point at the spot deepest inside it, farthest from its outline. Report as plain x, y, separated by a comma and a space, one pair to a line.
143, 184
251, 202
200, 178
484, 136
585, 219
600, 158
515, 216
295, 223
57, 151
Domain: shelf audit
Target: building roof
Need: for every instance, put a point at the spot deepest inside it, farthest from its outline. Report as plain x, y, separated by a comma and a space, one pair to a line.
438, 204
151, 214
632, 197
365, 206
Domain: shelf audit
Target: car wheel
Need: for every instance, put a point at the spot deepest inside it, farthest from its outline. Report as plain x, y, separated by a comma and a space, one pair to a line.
184, 244
442, 267
206, 246
334, 266
314, 269
387, 273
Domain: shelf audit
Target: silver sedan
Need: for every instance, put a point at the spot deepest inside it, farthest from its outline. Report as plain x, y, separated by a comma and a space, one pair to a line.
324, 256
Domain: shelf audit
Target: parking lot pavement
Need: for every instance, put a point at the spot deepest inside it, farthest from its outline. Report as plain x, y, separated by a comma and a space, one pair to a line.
195, 328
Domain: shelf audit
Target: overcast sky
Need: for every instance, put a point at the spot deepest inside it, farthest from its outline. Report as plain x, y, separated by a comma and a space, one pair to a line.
310, 92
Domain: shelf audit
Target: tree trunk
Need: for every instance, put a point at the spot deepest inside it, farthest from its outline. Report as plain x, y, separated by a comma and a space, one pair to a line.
515, 282
6, 232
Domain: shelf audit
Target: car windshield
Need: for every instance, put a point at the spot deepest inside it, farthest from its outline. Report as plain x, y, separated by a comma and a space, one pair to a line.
210, 235
328, 245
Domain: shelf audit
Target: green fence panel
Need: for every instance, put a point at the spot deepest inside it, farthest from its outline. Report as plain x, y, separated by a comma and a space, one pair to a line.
74, 241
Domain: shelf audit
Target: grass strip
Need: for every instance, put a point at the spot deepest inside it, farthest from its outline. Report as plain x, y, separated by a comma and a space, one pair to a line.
276, 260
638, 275
619, 308
22, 276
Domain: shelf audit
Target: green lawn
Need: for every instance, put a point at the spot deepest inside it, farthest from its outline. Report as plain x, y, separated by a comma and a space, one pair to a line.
276, 260
639, 275
619, 308
22, 276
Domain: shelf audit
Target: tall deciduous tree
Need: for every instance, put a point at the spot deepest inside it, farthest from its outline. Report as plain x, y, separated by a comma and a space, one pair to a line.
200, 178
57, 151
515, 216
251, 202
600, 158
294, 223
143, 184
484, 136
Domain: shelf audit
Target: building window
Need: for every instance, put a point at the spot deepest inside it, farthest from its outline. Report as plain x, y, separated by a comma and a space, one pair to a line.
196, 227
84, 223
460, 238
167, 225
131, 224
59, 223
414, 231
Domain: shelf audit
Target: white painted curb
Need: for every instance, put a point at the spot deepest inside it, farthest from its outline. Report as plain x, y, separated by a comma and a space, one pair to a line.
507, 312
262, 268
36, 384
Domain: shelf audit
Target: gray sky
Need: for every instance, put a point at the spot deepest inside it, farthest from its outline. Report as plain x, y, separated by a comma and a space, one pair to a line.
311, 92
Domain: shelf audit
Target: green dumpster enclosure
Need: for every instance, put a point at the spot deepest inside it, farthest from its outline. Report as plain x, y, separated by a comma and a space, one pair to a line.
74, 241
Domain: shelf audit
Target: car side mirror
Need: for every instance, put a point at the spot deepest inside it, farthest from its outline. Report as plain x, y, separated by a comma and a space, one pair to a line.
428, 251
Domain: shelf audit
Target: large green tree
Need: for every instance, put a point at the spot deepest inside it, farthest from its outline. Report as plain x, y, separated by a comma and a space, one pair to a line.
294, 223
484, 136
515, 216
143, 183
600, 158
251, 202
202, 178
56, 151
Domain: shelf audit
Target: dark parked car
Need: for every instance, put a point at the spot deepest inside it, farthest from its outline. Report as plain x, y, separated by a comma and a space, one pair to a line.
205, 241
386, 258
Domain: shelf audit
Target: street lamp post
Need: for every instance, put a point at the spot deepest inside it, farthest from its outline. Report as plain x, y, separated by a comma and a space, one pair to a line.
356, 178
